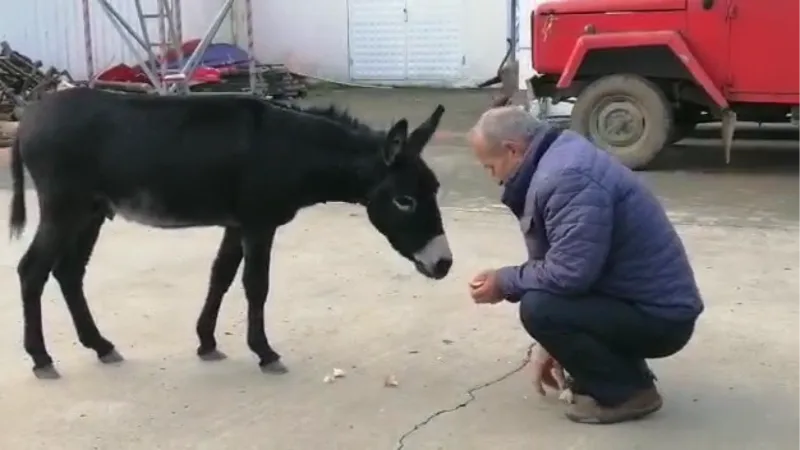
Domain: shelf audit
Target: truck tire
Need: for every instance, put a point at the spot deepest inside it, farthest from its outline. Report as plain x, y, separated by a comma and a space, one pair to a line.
626, 115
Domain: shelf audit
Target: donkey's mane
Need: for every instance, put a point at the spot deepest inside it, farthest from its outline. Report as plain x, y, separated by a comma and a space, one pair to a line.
334, 113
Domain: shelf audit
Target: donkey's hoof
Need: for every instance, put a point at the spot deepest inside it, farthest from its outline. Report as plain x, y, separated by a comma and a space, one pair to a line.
274, 367
47, 372
211, 355
112, 357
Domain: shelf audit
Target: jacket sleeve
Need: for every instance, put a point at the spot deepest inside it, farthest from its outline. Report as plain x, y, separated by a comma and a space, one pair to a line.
577, 215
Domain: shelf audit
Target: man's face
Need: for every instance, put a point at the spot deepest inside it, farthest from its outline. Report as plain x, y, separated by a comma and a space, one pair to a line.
500, 162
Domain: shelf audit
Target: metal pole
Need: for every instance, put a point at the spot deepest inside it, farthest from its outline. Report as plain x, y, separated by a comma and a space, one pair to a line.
509, 73
122, 26
146, 43
170, 15
172, 40
175, 42
114, 16
176, 7
87, 40
248, 12
513, 32
164, 45
191, 64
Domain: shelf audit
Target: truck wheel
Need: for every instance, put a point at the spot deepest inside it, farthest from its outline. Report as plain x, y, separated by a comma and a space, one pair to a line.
626, 115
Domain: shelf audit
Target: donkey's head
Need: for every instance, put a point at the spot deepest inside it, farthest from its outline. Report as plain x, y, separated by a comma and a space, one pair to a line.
402, 203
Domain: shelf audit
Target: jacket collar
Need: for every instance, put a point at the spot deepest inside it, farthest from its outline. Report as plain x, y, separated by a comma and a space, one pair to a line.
516, 188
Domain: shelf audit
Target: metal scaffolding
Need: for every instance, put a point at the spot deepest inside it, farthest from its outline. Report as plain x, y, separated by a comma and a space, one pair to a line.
170, 39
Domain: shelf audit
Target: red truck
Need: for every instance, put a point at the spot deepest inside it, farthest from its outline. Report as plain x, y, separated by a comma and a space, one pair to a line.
643, 73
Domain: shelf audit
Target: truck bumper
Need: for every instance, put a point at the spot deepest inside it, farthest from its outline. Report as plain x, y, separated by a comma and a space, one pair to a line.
541, 105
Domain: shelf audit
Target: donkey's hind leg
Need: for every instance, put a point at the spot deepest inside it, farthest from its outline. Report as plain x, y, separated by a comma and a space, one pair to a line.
257, 248
69, 272
223, 271
52, 236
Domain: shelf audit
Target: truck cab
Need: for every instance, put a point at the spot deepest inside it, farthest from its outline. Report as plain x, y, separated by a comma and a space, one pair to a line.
644, 73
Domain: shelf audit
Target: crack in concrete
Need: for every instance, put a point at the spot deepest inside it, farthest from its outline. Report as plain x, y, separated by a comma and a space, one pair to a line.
471, 393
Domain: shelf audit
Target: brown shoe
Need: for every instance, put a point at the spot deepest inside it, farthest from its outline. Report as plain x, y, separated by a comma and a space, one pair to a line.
586, 410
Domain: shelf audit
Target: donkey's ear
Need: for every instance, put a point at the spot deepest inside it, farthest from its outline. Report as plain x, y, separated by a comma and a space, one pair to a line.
424, 132
395, 141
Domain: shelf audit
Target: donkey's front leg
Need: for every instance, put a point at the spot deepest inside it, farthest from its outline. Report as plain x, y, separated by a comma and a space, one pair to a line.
257, 246
223, 271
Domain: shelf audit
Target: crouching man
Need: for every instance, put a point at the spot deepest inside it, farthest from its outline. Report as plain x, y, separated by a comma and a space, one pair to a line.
607, 283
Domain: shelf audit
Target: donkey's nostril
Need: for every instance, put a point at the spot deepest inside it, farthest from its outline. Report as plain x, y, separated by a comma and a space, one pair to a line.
442, 267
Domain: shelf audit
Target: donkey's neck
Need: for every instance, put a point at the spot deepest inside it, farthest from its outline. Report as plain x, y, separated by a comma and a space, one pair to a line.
340, 181
339, 164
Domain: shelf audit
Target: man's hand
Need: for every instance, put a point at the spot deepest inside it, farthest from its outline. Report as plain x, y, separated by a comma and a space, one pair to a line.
484, 288
546, 371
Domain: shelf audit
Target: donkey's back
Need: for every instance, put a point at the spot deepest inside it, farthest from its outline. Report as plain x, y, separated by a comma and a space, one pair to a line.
89, 125
159, 161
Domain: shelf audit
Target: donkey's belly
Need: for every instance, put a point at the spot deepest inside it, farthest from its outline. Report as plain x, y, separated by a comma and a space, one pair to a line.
151, 218
146, 210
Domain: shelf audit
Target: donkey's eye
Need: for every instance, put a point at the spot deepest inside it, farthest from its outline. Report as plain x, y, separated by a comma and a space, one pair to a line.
405, 203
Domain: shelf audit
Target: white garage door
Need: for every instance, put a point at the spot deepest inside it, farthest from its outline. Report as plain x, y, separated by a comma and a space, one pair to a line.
406, 40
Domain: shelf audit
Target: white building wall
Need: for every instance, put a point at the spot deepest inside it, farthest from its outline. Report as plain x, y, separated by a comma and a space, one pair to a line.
486, 33
313, 38
45, 32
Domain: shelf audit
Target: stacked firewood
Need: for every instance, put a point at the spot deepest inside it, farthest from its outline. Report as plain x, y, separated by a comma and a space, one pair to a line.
23, 80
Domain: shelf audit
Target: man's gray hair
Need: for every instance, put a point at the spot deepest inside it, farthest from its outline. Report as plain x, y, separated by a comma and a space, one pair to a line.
507, 123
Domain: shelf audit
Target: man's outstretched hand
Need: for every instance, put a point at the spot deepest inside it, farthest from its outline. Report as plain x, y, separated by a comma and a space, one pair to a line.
484, 288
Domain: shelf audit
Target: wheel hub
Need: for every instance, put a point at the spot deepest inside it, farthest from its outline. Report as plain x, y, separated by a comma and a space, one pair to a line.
619, 123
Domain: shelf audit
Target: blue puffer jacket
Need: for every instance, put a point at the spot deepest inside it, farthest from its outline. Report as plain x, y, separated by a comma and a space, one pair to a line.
593, 227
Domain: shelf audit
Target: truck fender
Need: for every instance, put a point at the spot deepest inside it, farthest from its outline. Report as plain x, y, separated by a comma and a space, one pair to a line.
671, 39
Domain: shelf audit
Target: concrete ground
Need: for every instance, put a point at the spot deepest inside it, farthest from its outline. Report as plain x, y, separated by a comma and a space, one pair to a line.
341, 299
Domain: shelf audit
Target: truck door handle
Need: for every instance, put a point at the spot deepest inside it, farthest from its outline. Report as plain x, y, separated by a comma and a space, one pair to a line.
708, 4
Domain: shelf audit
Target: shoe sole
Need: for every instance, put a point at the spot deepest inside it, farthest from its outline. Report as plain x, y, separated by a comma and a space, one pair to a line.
633, 415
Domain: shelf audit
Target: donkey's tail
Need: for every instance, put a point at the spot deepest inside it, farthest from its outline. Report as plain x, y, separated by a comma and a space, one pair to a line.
18, 216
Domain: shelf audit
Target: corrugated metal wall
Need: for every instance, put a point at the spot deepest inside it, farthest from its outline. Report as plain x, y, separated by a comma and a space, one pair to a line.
52, 30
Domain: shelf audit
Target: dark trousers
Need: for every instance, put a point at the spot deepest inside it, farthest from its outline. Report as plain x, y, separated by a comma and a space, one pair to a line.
601, 342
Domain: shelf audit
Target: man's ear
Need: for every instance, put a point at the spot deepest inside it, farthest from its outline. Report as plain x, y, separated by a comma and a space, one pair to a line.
395, 141
514, 147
